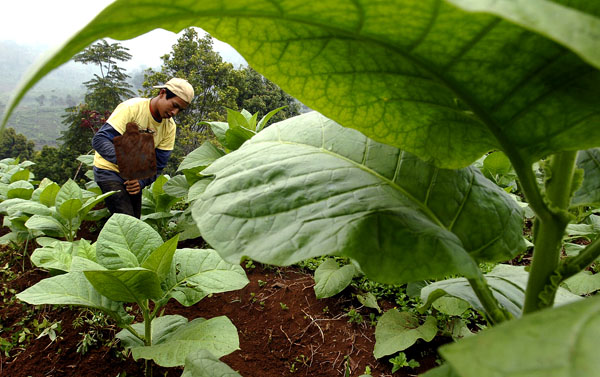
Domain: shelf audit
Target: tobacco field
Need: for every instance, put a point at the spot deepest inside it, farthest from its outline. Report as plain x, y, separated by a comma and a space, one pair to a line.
437, 214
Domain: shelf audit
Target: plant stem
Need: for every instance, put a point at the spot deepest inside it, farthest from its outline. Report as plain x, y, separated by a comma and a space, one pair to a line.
147, 332
578, 263
552, 223
493, 310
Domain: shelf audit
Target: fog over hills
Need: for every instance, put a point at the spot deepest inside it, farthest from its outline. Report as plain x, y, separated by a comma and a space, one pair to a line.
40, 112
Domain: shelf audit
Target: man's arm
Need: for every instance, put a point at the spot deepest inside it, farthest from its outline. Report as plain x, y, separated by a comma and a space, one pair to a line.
103, 142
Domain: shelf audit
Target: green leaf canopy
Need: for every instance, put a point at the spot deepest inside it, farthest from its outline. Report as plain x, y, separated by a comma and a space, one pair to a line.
306, 187
425, 76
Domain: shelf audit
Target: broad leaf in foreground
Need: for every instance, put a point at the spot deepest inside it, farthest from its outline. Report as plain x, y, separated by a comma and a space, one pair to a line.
426, 76
71, 289
126, 284
171, 345
558, 342
125, 242
307, 187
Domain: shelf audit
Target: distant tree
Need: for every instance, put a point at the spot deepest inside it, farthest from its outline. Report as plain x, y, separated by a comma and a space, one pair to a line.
260, 95
15, 145
107, 90
54, 163
104, 92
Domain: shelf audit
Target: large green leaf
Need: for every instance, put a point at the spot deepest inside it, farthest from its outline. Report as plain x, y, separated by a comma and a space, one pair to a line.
330, 279
306, 187
425, 76
200, 158
177, 187
162, 327
69, 208
91, 203
571, 27
71, 289
202, 363
46, 224
216, 335
126, 284
48, 194
589, 192
58, 255
198, 272
19, 189
160, 260
396, 331
558, 342
12, 206
583, 283
20, 175
69, 190
507, 283
125, 241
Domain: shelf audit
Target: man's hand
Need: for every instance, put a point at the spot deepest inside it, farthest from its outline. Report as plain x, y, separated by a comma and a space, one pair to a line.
133, 186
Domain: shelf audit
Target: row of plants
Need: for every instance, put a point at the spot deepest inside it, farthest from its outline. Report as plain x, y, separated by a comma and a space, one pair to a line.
396, 330
131, 263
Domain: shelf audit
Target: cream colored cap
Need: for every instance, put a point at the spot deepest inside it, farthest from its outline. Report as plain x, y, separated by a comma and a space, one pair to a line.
180, 87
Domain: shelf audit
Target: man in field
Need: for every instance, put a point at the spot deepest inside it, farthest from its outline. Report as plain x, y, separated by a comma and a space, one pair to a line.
154, 115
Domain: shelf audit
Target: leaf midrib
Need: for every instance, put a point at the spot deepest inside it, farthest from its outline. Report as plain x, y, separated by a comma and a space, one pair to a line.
384, 180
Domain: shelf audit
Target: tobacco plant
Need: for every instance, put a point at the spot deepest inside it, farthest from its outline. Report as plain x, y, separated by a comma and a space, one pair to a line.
443, 82
131, 264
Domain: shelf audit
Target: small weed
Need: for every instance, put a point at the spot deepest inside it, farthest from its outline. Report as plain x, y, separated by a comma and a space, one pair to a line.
96, 322
293, 368
400, 361
49, 329
283, 306
354, 316
372, 319
261, 283
6, 346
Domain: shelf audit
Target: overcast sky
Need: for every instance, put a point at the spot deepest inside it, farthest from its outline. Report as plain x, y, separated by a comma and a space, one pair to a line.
51, 22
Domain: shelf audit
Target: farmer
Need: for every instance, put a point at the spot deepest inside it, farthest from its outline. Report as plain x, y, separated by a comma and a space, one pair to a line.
151, 114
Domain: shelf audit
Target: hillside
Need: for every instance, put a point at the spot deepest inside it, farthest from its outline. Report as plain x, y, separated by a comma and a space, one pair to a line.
40, 113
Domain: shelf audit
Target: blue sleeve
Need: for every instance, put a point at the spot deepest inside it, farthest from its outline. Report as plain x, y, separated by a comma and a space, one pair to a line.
103, 142
162, 157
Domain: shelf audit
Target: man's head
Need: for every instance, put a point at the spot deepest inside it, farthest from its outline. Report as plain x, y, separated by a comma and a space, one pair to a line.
169, 105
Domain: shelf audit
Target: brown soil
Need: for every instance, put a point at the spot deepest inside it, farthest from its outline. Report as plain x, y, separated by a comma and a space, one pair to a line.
284, 330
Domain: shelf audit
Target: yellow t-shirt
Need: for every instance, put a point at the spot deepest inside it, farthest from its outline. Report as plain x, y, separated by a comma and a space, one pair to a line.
138, 110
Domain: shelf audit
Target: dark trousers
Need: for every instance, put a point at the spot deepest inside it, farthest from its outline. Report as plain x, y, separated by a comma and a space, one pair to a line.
122, 201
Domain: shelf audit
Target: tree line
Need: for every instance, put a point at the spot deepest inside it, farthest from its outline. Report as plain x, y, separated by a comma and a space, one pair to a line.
218, 84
